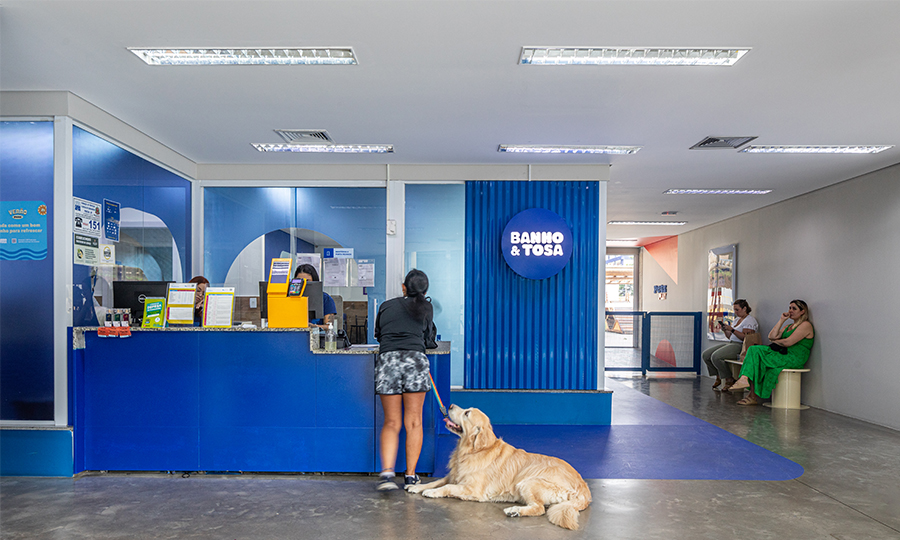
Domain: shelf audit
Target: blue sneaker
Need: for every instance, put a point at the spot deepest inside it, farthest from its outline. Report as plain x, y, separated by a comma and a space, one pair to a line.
386, 483
411, 481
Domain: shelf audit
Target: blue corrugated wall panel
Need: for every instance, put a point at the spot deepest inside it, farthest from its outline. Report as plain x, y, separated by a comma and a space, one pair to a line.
523, 333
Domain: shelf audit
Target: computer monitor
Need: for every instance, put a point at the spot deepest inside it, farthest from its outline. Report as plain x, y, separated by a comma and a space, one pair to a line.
313, 292
131, 294
316, 300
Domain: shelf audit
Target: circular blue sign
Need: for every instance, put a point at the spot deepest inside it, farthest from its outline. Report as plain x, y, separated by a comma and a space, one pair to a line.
537, 243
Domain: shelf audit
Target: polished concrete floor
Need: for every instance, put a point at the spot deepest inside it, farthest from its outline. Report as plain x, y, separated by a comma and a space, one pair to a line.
850, 490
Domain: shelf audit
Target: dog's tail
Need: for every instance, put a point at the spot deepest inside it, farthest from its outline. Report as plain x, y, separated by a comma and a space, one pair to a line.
565, 514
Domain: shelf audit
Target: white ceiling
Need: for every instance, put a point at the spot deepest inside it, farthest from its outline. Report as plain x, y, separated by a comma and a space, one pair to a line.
440, 81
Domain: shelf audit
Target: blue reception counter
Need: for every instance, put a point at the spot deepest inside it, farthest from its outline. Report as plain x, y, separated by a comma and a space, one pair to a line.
194, 399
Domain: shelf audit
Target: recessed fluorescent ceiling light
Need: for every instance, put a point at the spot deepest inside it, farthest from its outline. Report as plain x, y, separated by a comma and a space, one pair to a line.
643, 56
716, 191
326, 148
237, 56
647, 223
815, 149
608, 240
557, 149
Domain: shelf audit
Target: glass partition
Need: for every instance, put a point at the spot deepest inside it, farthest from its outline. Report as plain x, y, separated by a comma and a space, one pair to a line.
151, 237
435, 244
245, 227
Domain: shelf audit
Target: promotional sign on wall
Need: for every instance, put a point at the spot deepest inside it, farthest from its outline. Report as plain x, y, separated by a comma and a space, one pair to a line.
23, 230
90, 252
111, 220
338, 253
86, 250
87, 217
107, 254
365, 272
537, 243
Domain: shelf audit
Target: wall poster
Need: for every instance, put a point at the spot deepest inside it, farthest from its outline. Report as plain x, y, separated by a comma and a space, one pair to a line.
23, 230
722, 267
111, 220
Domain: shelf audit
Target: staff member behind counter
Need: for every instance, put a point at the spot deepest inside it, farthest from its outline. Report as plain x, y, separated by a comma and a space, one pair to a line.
199, 298
308, 271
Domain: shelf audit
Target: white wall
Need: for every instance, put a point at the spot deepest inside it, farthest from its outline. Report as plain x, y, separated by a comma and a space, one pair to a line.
837, 248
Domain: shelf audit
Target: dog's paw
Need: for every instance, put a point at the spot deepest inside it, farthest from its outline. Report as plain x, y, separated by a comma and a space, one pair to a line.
512, 511
431, 493
416, 488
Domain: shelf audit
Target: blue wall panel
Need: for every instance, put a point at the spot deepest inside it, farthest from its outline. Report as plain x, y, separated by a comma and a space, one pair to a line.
251, 379
536, 407
140, 404
36, 452
523, 333
26, 351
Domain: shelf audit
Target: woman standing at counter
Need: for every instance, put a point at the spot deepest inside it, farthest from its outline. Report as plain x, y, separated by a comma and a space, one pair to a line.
401, 374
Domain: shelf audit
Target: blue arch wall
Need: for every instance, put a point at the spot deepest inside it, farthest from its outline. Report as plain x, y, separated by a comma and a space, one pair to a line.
523, 333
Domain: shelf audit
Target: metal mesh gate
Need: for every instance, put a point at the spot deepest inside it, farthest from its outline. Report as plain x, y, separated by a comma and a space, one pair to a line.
653, 341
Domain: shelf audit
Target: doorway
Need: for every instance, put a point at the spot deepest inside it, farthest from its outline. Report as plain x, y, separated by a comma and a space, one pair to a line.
622, 303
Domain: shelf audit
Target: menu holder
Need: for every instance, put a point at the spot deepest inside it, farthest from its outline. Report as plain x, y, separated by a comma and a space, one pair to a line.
218, 307
180, 303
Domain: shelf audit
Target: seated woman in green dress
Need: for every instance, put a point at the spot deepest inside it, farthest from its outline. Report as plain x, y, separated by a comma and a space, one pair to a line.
762, 364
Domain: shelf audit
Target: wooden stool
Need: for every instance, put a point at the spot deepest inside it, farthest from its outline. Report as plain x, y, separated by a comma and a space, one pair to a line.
786, 394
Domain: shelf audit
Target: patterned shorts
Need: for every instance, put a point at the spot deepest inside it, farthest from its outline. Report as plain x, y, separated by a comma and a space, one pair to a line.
401, 372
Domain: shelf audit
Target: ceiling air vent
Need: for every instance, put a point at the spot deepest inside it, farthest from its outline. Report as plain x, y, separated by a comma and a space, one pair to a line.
715, 143
301, 136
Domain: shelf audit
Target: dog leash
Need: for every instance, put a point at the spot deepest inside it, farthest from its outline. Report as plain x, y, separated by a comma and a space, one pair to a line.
438, 396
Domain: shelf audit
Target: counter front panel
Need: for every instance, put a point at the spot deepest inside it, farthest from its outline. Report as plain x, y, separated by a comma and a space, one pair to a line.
257, 401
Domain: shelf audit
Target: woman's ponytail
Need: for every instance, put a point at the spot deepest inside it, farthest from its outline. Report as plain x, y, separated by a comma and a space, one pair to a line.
416, 283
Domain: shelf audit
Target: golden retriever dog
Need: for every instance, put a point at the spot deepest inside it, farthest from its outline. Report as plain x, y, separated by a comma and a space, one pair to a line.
486, 469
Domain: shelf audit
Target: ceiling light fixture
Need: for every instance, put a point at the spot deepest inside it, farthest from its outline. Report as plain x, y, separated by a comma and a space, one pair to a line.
558, 149
246, 56
839, 149
647, 223
641, 56
326, 148
721, 143
716, 191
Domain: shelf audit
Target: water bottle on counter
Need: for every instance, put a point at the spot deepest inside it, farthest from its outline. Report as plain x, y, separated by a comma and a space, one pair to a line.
313, 337
330, 344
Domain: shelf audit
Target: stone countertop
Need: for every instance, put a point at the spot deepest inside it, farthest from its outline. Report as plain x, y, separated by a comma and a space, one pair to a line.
78, 337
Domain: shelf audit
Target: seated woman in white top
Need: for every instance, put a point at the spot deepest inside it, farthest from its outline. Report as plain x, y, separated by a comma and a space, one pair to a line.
716, 355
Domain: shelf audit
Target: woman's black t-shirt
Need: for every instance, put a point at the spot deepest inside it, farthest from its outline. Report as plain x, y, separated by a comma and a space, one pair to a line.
396, 329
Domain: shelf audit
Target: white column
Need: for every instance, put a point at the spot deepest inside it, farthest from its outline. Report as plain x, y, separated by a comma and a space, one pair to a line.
396, 238
63, 230
601, 288
196, 231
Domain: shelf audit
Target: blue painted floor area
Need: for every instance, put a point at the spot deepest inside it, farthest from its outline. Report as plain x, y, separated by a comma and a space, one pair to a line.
651, 440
